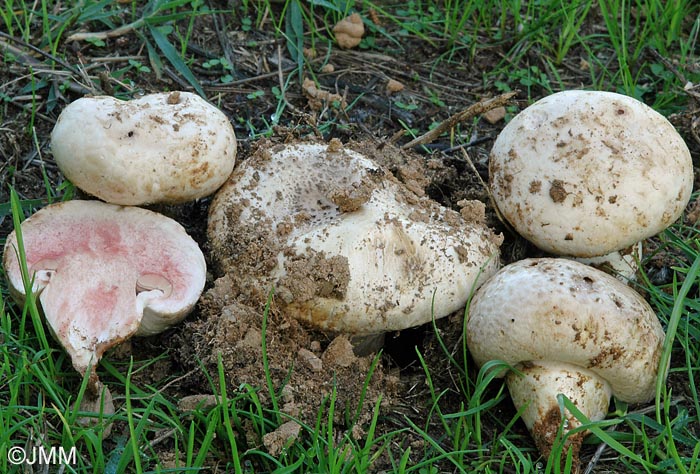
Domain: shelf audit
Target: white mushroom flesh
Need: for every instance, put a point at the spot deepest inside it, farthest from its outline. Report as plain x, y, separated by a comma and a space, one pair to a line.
585, 173
166, 147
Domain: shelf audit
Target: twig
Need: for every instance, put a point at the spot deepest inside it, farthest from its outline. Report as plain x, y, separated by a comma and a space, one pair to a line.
687, 85
280, 78
26, 60
93, 35
472, 111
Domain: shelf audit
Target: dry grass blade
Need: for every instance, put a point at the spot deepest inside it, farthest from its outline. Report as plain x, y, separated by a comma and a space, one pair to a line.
472, 111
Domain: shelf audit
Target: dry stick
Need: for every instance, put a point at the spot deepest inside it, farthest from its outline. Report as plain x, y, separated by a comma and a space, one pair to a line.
472, 111
280, 78
688, 86
26, 60
121, 31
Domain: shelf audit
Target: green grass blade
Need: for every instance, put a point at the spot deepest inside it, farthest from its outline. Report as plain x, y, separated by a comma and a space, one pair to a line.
172, 55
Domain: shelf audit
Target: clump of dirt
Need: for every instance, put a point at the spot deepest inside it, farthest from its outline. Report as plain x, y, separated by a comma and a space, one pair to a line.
306, 366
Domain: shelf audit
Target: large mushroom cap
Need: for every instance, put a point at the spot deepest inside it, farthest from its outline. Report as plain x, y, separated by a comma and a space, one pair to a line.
579, 325
584, 173
347, 247
165, 147
104, 273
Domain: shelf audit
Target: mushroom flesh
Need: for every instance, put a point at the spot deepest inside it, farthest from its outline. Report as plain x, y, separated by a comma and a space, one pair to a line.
103, 273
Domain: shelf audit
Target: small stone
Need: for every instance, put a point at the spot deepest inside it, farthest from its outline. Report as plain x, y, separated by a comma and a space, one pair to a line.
311, 360
394, 86
495, 115
348, 31
284, 435
339, 353
196, 402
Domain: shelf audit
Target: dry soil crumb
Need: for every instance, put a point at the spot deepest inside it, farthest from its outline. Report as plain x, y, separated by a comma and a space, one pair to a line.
233, 330
285, 434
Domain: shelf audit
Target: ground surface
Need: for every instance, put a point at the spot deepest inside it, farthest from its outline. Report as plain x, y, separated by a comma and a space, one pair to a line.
264, 97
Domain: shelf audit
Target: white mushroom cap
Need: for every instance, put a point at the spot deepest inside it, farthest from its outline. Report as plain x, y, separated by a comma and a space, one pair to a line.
167, 147
104, 273
585, 326
583, 173
347, 247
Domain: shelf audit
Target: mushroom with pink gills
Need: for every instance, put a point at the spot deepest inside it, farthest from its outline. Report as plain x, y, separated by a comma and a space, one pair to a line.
161, 148
103, 273
345, 245
590, 174
565, 328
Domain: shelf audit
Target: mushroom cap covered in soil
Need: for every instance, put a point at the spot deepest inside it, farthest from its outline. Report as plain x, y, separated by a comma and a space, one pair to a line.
570, 329
104, 273
166, 147
586, 173
347, 247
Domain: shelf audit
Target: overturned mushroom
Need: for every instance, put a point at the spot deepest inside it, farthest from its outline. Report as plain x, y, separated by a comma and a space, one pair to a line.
347, 247
586, 174
103, 273
569, 329
167, 147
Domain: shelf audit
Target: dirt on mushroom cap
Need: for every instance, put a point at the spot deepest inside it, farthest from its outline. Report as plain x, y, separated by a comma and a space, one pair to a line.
557, 309
586, 173
364, 251
165, 147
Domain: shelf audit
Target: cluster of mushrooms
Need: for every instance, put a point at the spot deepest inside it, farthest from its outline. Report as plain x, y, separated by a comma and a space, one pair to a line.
350, 249
105, 271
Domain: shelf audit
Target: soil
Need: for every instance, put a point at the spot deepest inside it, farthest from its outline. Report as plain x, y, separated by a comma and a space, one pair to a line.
308, 364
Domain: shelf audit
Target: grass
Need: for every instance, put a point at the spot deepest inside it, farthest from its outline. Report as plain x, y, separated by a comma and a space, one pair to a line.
537, 47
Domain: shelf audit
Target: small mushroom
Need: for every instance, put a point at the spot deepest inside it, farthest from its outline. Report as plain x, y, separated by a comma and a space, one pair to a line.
103, 273
586, 173
348, 31
348, 248
569, 329
167, 147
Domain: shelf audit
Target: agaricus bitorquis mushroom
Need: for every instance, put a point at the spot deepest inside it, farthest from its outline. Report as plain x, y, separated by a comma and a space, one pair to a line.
566, 328
347, 247
589, 173
161, 148
103, 273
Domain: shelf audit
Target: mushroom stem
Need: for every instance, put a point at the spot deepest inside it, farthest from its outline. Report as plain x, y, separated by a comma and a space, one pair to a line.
535, 387
622, 264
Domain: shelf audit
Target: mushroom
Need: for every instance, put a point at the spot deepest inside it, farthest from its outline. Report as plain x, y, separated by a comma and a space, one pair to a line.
565, 328
348, 31
586, 173
103, 273
167, 147
348, 248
